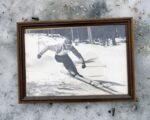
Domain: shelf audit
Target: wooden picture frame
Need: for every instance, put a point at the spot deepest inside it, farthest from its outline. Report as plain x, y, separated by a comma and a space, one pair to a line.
104, 46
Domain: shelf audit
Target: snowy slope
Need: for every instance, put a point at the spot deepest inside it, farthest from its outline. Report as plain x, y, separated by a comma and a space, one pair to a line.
47, 77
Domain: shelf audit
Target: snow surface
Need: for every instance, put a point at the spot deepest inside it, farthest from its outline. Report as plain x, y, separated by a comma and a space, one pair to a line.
47, 77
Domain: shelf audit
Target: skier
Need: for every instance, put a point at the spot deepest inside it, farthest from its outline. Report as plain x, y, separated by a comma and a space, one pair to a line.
61, 56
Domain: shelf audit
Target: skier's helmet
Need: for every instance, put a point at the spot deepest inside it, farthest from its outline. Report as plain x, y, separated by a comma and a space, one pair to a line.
67, 43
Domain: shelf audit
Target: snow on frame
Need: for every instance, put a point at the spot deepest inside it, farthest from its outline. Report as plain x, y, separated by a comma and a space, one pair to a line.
46, 77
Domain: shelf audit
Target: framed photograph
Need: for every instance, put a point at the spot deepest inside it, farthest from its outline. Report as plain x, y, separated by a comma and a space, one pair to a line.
74, 61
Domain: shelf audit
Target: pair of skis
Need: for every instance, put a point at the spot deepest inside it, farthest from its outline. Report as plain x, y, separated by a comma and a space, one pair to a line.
101, 85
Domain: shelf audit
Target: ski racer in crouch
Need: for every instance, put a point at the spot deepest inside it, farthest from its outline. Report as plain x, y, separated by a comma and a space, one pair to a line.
61, 55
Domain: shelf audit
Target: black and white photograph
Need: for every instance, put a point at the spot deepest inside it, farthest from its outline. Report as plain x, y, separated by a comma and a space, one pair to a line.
76, 60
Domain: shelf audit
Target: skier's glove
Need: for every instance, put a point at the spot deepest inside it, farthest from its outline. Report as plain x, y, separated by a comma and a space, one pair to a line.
39, 56
83, 65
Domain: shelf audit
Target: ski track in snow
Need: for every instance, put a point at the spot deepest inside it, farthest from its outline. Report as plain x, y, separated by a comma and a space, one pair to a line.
47, 77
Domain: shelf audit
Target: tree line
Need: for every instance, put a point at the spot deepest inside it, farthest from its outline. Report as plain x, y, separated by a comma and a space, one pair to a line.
91, 34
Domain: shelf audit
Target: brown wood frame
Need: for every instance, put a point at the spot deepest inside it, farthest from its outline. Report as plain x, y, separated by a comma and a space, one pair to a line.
92, 22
